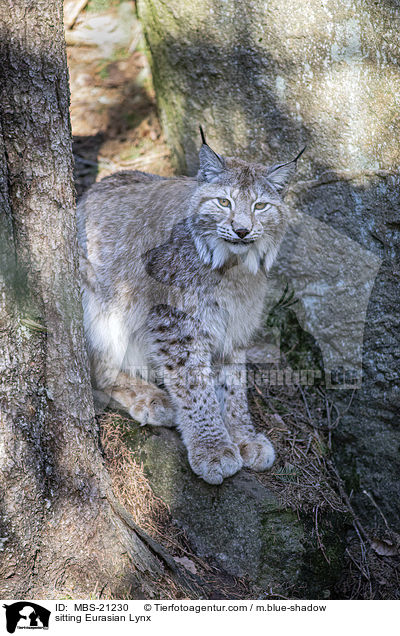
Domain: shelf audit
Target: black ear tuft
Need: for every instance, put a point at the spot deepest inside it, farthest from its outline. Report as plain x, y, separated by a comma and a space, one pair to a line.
300, 153
280, 174
203, 137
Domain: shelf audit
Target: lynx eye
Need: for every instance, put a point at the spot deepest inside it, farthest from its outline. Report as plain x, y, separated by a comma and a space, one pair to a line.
225, 203
261, 205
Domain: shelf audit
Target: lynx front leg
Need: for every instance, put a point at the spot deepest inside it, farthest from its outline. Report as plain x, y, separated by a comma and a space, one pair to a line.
211, 452
256, 449
145, 402
181, 351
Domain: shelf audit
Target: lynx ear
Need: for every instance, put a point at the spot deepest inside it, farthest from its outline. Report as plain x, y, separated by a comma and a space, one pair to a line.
211, 165
280, 174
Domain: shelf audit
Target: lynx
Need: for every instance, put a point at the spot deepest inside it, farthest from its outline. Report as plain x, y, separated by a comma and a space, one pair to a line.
174, 277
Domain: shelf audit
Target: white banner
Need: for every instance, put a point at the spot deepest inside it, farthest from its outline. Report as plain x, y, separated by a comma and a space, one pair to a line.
155, 616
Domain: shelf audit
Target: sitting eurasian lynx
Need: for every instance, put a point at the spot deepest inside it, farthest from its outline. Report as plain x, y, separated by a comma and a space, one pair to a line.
174, 277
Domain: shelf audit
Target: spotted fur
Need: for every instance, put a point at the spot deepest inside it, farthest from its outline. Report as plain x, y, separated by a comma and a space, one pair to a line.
174, 277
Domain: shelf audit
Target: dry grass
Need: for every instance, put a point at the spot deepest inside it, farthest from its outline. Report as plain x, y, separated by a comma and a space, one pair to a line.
298, 421
130, 485
133, 491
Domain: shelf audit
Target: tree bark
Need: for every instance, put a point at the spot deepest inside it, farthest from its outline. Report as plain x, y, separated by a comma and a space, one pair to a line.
60, 527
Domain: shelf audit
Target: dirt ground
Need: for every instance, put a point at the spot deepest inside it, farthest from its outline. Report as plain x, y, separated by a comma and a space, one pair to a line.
115, 127
113, 113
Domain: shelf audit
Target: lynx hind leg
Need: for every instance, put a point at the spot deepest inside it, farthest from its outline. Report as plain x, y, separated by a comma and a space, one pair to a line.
145, 402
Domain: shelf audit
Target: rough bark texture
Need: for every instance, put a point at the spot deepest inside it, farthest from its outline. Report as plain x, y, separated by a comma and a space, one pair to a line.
59, 529
264, 79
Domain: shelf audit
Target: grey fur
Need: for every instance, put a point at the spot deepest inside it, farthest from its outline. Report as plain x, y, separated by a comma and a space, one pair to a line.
169, 288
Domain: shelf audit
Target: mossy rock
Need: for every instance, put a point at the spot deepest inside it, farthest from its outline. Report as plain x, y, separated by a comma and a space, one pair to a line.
240, 526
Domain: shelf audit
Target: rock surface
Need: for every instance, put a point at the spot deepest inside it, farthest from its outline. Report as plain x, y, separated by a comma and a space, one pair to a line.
264, 79
241, 526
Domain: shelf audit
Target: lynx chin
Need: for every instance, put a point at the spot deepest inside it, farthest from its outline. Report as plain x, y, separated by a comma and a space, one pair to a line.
174, 278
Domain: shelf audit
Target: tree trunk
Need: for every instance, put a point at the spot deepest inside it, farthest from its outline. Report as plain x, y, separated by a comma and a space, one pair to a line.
61, 530
264, 79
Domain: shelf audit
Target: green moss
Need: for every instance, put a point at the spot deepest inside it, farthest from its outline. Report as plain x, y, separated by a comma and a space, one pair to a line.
102, 5
136, 435
103, 71
282, 547
120, 53
323, 554
132, 120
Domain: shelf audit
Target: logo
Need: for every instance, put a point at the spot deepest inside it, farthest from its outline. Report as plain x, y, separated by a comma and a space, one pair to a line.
26, 615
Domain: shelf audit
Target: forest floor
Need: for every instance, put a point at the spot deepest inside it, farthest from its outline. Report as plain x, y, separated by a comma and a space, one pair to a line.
115, 127
113, 112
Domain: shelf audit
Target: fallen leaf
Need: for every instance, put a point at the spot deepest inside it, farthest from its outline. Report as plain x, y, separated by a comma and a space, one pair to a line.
384, 548
187, 563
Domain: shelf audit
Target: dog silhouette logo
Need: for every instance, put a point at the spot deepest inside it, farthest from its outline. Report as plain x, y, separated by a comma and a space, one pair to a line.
26, 615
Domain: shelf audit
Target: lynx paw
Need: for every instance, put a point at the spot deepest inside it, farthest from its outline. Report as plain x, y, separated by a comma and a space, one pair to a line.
146, 405
154, 411
214, 464
257, 452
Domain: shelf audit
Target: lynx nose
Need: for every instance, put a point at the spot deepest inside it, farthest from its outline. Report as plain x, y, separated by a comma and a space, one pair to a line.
242, 232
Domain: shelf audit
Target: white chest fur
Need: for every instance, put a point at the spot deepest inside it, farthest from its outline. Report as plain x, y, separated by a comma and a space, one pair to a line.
232, 311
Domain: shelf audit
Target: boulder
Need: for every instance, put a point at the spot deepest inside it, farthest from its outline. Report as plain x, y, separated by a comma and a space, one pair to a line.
241, 526
264, 79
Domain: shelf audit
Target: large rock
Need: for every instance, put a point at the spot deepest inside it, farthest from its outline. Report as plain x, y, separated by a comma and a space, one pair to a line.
264, 79
241, 526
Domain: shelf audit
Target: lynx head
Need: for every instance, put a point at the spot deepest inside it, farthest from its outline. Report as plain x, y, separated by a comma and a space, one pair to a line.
238, 209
